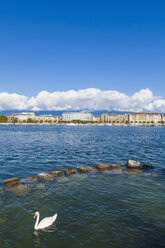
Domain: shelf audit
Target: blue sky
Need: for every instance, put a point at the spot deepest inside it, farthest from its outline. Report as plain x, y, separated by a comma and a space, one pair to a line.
72, 45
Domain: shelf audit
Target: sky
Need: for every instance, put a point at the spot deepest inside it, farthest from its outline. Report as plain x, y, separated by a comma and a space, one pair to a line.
86, 54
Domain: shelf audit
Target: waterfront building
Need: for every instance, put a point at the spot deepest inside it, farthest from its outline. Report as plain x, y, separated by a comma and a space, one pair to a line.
163, 117
114, 117
48, 118
77, 116
97, 118
30, 116
144, 117
20, 117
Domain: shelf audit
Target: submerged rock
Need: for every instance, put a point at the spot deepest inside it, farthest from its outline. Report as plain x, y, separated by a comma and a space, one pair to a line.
132, 164
147, 166
78, 177
30, 179
69, 172
117, 169
20, 189
44, 176
133, 172
102, 167
41, 185
55, 173
84, 169
62, 179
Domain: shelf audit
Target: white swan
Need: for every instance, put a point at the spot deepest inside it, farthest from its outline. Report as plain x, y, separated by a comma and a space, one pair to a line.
48, 221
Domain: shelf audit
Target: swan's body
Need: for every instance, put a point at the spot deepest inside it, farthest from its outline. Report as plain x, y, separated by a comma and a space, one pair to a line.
48, 221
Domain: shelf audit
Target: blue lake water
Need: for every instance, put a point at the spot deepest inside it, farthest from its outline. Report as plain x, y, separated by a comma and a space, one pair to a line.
114, 209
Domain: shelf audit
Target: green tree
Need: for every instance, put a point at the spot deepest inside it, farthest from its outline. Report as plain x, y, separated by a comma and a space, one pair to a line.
3, 119
15, 120
29, 120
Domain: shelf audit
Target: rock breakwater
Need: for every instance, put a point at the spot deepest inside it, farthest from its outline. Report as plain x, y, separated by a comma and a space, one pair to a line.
14, 185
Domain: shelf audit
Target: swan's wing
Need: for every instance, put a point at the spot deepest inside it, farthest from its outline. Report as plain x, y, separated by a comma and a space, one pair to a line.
46, 222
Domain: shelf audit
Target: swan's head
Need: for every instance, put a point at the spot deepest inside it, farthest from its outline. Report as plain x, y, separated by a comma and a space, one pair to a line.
35, 215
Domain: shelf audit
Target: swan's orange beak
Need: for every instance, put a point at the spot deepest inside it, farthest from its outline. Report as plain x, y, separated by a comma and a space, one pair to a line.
34, 216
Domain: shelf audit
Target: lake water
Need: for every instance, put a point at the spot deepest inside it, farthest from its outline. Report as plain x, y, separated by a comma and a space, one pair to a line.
117, 209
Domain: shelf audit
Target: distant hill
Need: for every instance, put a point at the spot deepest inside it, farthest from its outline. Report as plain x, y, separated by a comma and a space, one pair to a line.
95, 112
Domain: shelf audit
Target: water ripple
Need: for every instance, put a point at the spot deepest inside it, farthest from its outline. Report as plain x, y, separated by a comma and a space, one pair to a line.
115, 209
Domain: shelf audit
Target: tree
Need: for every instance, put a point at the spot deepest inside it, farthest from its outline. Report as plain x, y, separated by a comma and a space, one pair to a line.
3, 119
29, 120
15, 120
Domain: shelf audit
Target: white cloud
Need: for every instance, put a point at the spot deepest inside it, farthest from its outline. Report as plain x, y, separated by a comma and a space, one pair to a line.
88, 99
12, 101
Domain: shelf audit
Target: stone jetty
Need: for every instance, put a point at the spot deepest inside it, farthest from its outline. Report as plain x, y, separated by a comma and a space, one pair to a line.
18, 186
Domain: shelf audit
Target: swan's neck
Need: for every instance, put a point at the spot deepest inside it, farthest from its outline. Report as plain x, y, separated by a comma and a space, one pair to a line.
37, 221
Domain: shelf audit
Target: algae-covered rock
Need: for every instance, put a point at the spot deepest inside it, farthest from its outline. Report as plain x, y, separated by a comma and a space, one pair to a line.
69, 172
116, 167
11, 182
30, 179
55, 173
45, 176
102, 167
84, 169
132, 164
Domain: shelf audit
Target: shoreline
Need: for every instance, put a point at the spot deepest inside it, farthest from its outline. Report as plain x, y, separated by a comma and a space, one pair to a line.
81, 124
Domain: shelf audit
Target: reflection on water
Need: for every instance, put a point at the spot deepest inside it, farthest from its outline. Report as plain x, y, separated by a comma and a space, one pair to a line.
119, 208
38, 233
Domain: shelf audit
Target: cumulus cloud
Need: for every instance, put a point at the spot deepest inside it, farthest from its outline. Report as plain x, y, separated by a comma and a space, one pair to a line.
13, 101
88, 99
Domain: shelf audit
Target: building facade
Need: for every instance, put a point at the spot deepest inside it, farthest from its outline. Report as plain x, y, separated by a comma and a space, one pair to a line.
163, 117
97, 118
76, 116
114, 117
144, 117
25, 117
